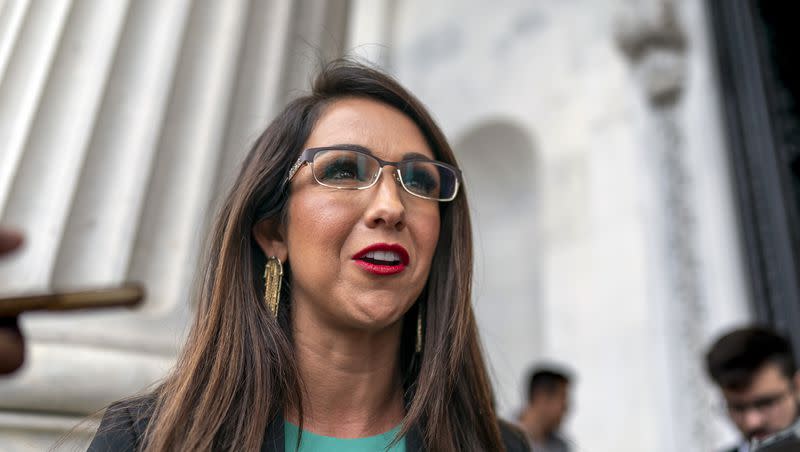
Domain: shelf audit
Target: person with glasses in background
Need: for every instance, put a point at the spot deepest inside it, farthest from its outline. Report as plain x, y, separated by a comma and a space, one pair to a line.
333, 311
755, 369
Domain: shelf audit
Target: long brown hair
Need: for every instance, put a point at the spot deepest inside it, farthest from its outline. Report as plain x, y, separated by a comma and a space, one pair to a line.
238, 371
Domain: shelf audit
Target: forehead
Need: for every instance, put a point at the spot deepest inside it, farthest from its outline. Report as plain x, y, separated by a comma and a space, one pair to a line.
383, 129
767, 380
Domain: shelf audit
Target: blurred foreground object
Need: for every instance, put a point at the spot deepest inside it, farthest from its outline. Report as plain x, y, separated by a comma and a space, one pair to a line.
10, 240
12, 345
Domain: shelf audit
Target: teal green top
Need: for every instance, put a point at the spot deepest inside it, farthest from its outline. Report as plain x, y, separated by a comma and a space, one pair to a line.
313, 442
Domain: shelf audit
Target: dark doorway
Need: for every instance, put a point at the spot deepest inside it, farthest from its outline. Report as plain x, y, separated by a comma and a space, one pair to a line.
759, 71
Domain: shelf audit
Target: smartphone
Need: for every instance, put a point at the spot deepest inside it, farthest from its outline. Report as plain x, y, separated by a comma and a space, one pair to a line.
129, 294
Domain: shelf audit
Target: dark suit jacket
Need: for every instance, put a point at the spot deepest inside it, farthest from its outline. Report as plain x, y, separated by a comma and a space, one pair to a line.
124, 424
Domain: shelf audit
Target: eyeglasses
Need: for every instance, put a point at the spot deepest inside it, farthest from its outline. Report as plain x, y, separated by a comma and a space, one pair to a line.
353, 167
764, 405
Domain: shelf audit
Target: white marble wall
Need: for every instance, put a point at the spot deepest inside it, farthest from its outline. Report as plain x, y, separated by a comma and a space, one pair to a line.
594, 159
612, 246
121, 122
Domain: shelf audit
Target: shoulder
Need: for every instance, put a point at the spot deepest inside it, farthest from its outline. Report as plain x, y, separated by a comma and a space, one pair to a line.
561, 442
513, 438
123, 426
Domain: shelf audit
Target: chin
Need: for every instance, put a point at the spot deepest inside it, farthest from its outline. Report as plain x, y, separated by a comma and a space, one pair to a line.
377, 315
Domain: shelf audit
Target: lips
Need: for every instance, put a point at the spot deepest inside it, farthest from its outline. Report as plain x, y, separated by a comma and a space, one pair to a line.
382, 259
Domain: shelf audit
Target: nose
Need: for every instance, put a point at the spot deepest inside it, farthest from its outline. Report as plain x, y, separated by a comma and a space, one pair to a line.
752, 419
386, 206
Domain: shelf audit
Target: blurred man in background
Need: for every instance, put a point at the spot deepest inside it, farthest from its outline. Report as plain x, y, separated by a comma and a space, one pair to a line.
11, 343
548, 401
755, 369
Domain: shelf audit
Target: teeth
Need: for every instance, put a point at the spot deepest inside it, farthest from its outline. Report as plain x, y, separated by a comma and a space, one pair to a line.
387, 256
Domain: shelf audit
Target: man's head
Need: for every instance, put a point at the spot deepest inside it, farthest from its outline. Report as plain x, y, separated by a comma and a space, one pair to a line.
548, 396
756, 371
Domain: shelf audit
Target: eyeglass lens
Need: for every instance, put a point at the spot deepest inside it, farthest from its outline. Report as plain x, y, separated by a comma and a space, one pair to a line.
351, 169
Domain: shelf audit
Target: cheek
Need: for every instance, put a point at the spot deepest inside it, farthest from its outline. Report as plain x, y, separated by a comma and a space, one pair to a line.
426, 236
790, 410
429, 233
317, 228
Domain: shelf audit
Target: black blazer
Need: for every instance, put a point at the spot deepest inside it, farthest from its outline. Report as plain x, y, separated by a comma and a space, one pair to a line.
124, 424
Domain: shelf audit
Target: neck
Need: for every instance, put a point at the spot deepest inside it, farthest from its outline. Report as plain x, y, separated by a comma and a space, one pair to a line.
351, 379
531, 422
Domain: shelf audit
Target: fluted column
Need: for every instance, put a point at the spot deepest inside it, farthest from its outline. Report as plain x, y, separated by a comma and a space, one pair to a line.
695, 251
28, 47
121, 123
52, 154
98, 238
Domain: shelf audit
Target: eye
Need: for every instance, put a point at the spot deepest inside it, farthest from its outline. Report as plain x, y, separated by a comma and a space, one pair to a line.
421, 178
341, 168
344, 168
766, 402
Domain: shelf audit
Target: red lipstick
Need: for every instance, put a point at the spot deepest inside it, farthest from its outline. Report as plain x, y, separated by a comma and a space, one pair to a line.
382, 259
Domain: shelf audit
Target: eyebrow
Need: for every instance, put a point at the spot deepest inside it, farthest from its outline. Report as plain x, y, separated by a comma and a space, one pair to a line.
406, 156
352, 147
415, 155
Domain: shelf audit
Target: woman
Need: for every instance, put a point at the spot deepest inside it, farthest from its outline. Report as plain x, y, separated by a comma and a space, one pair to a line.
335, 306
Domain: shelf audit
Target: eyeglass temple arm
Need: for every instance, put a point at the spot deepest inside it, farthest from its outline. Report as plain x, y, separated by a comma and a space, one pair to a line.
293, 170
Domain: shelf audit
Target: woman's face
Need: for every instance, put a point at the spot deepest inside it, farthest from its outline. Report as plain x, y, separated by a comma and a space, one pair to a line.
329, 230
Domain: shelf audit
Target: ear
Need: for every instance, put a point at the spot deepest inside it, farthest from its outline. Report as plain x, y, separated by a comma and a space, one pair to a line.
797, 382
270, 236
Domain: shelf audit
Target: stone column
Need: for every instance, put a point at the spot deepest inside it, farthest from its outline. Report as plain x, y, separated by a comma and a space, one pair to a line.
121, 123
696, 246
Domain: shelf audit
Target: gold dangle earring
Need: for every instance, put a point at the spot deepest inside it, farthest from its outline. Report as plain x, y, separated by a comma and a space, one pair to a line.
273, 276
418, 346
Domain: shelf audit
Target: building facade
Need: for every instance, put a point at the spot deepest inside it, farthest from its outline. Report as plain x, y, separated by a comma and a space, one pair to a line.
591, 135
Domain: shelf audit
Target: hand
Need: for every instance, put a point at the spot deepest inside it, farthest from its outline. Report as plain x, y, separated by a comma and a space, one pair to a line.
9, 240
12, 344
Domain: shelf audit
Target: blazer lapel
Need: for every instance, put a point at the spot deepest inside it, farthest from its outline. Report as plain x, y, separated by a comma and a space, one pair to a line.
414, 440
273, 438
